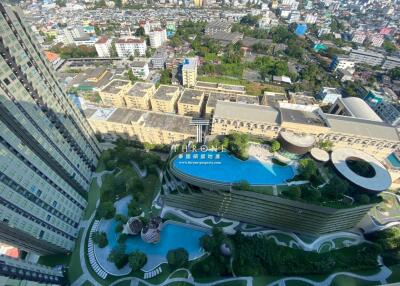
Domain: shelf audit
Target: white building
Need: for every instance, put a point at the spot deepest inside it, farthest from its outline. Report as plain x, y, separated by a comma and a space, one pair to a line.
310, 19
140, 69
358, 37
158, 37
294, 17
376, 40
328, 95
103, 47
342, 63
130, 46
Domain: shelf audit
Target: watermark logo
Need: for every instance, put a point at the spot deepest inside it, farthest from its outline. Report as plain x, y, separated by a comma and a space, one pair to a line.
200, 155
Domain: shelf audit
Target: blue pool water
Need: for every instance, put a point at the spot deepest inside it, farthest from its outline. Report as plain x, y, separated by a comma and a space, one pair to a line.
224, 168
394, 161
173, 236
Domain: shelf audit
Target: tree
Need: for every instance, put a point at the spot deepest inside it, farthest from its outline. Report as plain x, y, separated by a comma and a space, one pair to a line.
326, 145
118, 256
307, 168
275, 146
242, 185
131, 76
100, 239
137, 260
395, 73
293, 193
177, 258
140, 32
238, 144
106, 210
363, 199
134, 209
389, 46
166, 76
61, 3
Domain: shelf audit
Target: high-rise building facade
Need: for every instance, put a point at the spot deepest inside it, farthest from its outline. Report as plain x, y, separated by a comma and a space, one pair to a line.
48, 150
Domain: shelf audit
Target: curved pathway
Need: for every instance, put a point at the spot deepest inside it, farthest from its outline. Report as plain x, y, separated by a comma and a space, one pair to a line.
86, 276
316, 244
379, 277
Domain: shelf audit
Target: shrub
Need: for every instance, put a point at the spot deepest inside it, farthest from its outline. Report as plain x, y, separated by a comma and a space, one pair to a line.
243, 185
122, 238
119, 227
100, 239
275, 146
106, 210
177, 258
118, 256
293, 193
137, 260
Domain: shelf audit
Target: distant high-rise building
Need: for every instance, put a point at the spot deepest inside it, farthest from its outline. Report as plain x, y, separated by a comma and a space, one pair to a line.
158, 37
103, 47
189, 72
130, 46
48, 149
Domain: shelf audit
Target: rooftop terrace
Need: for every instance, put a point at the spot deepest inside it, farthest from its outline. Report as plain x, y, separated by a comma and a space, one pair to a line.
165, 92
191, 96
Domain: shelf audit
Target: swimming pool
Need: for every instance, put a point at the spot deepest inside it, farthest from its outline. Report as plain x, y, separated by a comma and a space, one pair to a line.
173, 235
394, 161
225, 168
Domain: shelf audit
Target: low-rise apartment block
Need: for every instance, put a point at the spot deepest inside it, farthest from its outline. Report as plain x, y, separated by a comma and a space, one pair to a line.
213, 97
130, 46
165, 98
220, 87
328, 95
140, 69
217, 26
391, 63
362, 56
144, 126
190, 102
113, 93
138, 96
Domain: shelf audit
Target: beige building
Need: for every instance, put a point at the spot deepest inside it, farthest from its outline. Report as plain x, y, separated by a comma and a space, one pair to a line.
138, 96
113, 93
144, 126
219, 87
376, 138
165, 98
213, 97
190, 102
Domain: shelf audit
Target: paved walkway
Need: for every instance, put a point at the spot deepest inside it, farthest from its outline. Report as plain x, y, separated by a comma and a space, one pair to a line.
86, 276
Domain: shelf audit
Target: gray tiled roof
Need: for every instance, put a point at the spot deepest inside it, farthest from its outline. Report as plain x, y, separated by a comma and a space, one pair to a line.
362, 127
246, 112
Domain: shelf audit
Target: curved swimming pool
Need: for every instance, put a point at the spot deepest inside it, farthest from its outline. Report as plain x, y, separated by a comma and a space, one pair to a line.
173, 235
222, 167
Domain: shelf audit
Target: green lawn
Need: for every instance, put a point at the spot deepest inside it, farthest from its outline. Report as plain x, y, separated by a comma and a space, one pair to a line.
350, 281
75, 270
220, 224
173, 217
231, 283
179, 274
252, 88
94, 195
55, 259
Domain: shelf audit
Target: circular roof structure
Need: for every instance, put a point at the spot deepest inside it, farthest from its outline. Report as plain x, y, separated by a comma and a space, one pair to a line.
319, 154
379, 182
360, 109
304, 141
